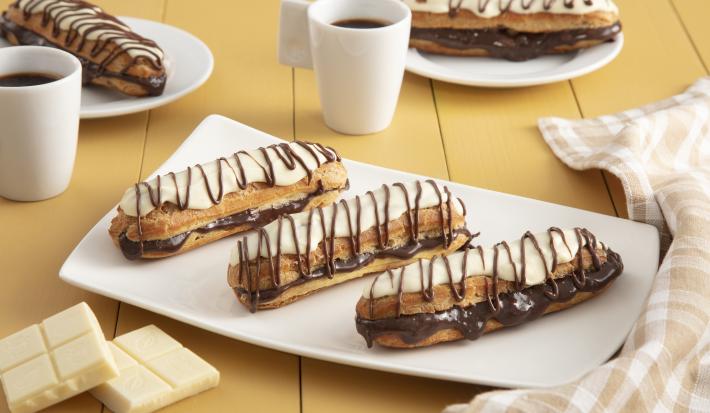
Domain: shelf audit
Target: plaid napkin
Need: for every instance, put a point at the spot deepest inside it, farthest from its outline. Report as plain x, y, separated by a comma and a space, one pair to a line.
661, 154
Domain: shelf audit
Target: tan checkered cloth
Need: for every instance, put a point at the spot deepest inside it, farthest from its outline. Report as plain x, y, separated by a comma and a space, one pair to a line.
661, 154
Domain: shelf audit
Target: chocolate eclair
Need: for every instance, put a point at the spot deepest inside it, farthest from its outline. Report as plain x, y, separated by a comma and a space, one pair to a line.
511, 29
177, 212
112, 55
302, 253
478, 290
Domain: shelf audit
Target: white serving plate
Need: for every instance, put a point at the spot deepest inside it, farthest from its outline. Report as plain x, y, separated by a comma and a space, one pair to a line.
189, 64
555, 349
489, 72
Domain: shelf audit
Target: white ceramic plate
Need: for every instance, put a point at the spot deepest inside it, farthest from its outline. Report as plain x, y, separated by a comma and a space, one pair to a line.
555, 349
189, 64
489, 72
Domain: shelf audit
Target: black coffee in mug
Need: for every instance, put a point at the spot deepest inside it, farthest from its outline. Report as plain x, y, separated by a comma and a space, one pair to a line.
26, 79
361, 23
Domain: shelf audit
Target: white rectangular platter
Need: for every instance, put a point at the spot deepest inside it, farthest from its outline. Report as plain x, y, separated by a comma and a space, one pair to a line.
553, 350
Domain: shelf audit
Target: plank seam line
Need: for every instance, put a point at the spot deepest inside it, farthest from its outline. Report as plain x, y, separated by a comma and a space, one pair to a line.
441, 131
115, 326
140, 173
688, 35
576, 99
300, 385
165, 11
145, 142
293, 103
601, 172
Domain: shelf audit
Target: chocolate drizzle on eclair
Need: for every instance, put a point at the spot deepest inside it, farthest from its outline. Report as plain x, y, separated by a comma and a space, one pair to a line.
509, 309
233, 166
249, 268
524, 303
507, 5
488, 7
83, 23
255, 217
340, 266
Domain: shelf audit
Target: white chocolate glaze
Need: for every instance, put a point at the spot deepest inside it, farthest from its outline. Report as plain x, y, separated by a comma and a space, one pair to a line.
297, 241
92, 23
203, 187
480, 262
494, 8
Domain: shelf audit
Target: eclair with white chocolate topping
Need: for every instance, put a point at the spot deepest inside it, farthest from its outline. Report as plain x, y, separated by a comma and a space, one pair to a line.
478, 290
111, 54
177, 212
385, 228
511, 29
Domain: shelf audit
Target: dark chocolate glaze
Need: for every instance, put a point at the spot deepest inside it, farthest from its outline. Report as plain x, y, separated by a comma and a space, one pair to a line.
75, 43
513, 308
247, 275
511, 45
255, 217
282, 150
351, 264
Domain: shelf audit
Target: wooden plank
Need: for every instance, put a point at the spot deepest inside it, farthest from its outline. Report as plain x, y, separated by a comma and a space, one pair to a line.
38, 236
694, 16
247, 85
336, 388
657, 62
492, 141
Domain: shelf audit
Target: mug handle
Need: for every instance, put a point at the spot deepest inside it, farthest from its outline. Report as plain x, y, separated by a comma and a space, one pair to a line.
294, 43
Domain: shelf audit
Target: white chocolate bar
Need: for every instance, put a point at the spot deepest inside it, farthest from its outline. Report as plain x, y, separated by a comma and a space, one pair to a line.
155, 371
52, 361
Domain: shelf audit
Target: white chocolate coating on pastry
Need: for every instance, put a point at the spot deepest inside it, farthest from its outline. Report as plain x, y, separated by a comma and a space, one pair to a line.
255, 166
494, 8
431, 195
92, 24
480, 262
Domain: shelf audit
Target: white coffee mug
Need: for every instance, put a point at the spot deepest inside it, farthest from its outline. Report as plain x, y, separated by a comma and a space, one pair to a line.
39, 124
358, 71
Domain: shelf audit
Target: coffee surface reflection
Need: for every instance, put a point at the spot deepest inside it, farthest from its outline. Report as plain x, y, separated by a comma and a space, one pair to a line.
361, 23
26, 79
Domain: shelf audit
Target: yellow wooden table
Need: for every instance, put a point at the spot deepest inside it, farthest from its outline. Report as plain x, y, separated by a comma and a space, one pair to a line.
480, 137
